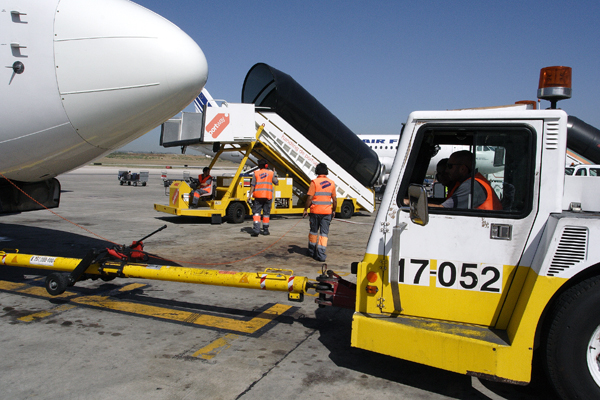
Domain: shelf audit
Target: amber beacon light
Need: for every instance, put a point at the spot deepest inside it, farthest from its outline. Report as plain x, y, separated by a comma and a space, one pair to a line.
555, 84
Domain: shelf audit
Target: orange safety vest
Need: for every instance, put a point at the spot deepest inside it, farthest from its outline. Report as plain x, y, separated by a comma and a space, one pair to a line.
264, 184
492, 202
451, 192
324, 190
203, 185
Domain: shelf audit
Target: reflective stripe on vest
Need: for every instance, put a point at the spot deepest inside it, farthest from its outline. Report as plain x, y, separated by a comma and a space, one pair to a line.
264, 184
321, 201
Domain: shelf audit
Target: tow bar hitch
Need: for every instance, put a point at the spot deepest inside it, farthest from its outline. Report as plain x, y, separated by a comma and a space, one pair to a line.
334, 290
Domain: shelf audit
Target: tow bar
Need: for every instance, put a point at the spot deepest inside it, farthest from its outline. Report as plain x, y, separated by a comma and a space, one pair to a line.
121, 262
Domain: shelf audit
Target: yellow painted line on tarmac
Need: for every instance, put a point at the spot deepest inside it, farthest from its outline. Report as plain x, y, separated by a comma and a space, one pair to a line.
24, 288
189, 317
231, 324
132, 286
40, 291
11, 286
213, 349
47, 313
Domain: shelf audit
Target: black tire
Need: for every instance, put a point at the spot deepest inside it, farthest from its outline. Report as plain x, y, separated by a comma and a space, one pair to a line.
107, 278
121, 183
347, 210
56, 283
572, 342
143, 183
236, 213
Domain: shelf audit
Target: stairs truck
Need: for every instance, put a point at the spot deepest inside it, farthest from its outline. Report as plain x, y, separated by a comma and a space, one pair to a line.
469, 290
281, 122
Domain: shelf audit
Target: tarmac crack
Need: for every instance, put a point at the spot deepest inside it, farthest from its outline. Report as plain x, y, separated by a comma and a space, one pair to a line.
249, 388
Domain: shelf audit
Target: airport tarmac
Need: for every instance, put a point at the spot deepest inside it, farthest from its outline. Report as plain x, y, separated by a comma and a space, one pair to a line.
141, 339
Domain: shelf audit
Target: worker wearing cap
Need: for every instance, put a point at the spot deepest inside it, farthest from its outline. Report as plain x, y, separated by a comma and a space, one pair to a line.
261, 189
322, 202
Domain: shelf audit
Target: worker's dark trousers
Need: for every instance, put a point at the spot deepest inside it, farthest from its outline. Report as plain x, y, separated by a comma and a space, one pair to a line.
317, 236
259, 205
196, 194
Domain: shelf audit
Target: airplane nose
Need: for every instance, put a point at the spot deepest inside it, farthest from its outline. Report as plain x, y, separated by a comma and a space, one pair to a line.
122, 69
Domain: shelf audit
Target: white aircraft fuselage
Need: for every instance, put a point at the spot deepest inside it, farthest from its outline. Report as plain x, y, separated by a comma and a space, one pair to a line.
82, 78
386, 146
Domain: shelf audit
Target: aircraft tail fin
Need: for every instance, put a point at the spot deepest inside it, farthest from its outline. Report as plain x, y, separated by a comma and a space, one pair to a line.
204, 99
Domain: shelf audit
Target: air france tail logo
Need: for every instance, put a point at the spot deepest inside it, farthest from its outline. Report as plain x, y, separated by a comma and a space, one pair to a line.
325, 184
217, 125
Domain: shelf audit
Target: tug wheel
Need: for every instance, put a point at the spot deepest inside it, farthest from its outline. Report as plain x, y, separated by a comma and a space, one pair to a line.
56, 283
572, 342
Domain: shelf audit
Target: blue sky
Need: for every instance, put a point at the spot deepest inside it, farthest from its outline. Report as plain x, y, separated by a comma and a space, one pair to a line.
373, 62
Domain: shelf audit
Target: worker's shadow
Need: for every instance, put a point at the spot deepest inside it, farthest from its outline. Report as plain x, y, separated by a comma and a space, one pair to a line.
56, 243
48, 242
297, 249
335, 325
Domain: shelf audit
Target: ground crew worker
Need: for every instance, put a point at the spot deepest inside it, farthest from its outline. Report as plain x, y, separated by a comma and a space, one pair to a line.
205, 186
261, 189
459, 167
322, 202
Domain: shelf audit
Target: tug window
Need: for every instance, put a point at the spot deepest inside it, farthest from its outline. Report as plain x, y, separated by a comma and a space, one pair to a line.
484, 169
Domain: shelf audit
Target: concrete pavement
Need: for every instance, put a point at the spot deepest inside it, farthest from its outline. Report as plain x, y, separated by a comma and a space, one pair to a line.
137, 339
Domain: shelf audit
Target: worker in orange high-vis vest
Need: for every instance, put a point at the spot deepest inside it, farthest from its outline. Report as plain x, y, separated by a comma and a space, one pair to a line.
322, 202
205, 187
261, 189
459, 170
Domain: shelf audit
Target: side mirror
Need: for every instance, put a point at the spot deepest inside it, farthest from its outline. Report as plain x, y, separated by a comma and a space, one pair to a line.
417, 197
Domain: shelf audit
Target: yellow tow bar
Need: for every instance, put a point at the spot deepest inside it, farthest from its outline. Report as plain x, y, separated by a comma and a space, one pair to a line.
282, 280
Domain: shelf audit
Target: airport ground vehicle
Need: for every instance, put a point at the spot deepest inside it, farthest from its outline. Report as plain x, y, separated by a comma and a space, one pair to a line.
133, 178
478, 291
231, 194
583, 170
292, 149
